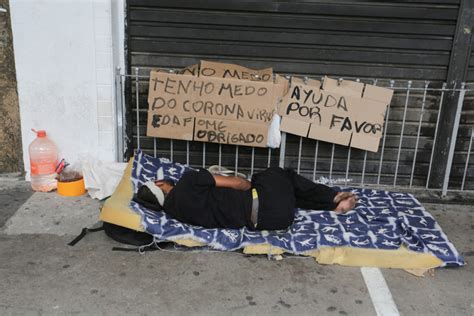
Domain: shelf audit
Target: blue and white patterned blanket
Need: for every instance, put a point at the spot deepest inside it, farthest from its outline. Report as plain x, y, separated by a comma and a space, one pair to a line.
381, 220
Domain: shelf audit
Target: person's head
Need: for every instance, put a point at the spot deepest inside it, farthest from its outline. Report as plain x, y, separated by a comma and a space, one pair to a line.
152, 193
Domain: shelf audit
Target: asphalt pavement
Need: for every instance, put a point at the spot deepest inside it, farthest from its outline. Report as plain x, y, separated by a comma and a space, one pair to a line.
41, 275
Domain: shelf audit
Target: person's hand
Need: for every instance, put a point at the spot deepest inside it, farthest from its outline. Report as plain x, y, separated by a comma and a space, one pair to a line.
345, 201
244, 184
342, 196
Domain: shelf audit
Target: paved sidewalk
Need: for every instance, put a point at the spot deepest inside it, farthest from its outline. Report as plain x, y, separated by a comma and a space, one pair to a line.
41, 275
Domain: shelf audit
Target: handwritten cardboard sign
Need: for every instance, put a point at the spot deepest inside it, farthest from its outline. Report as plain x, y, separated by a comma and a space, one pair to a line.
226, 107
222, 70
349, 113
190, 70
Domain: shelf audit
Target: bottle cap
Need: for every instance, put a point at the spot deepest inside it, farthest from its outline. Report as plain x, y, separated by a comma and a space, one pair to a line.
40, 133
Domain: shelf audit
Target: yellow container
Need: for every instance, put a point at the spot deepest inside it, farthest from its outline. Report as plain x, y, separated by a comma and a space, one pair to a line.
72, 188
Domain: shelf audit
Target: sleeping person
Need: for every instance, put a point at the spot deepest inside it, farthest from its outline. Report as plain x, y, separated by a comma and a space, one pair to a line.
268, 202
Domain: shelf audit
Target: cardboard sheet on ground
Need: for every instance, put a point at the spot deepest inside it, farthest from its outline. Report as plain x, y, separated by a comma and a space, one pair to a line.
227, 104
350, 113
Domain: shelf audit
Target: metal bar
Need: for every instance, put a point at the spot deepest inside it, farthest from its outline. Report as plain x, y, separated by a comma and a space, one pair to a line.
467, 160
137, 101
269, 157
168, 69
187, 152
332, 161
171, 149
418, 133
401, 133
220, 158
204, 155
140, 76
118, 121
434, 136
459, 190
347, 78
454, 89
154, 147
347, 165
316, 149
431, 89
362, 178
363, 169
236, 167
126, 143
392, 83
454, 136
281, 162
119, 116
299, 156
252, 161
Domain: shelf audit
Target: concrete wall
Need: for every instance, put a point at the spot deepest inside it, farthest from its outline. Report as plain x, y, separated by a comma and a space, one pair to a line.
64, 56
10, 136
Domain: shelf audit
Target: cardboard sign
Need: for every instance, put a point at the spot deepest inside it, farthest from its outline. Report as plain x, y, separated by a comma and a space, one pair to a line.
170, 126
230, 132
349, 113
192, 70
231, 71
210, 108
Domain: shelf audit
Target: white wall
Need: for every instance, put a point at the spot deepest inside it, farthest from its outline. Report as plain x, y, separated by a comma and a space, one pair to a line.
64, 59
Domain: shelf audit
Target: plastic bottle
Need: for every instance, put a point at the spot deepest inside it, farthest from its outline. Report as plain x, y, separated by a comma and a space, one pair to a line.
43, 161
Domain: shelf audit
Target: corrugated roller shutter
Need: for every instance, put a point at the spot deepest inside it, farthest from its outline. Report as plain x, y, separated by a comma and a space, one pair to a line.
399, 40
353, 38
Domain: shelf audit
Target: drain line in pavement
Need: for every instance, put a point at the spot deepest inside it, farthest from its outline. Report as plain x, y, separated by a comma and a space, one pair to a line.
379, 292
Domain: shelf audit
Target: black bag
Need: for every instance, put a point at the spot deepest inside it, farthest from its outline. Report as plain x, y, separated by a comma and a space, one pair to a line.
142, 241
127, 236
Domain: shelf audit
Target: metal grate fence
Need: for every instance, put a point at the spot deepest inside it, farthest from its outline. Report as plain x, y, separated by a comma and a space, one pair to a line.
404, 159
